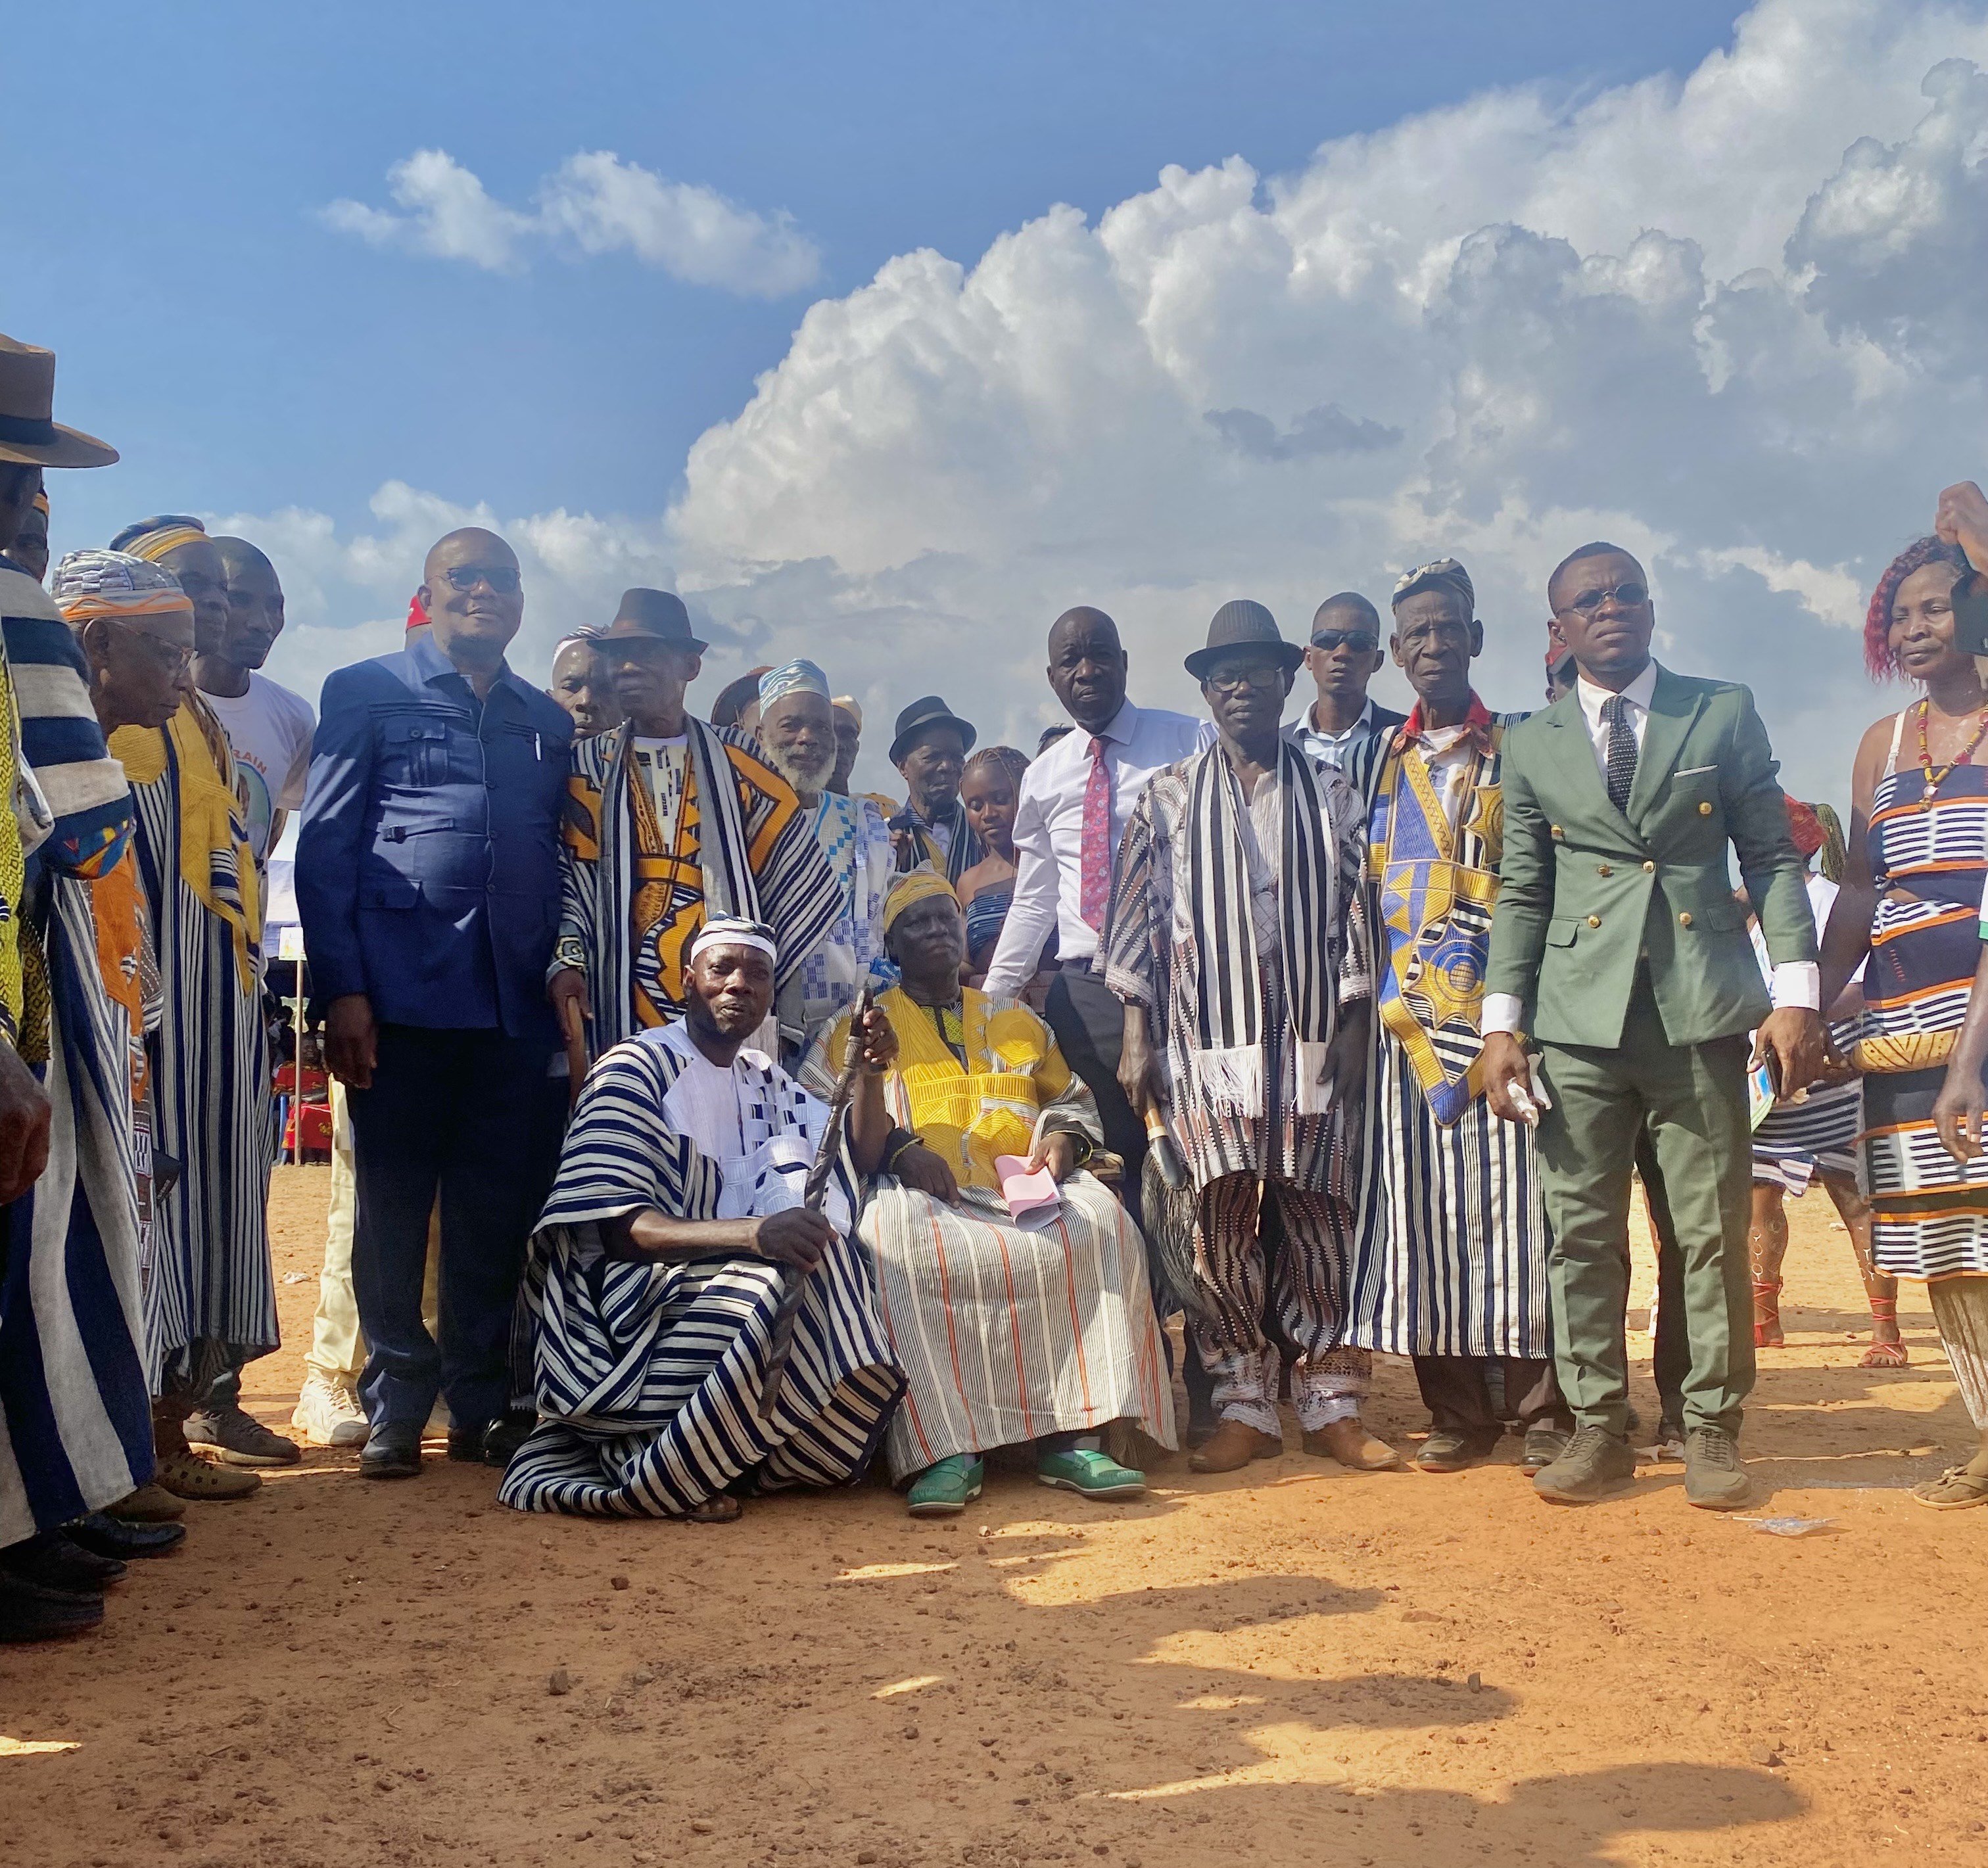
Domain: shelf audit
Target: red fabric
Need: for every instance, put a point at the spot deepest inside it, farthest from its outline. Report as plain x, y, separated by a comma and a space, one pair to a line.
1477, 722
418, 616
1806, 827
316, 1118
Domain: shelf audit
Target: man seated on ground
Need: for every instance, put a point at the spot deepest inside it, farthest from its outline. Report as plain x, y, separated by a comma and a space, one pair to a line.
659, 1262
1007, 1333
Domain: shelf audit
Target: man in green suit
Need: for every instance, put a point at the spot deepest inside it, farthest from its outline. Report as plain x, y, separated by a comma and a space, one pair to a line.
1617, 943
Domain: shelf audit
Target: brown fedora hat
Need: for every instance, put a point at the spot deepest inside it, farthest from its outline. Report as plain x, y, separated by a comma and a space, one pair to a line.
27, 399
660, 614
1242, 624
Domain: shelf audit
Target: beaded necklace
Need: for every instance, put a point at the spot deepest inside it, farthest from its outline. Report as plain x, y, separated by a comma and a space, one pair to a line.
1934, 779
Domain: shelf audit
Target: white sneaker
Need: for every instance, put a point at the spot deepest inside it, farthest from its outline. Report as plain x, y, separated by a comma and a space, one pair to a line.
328, 1414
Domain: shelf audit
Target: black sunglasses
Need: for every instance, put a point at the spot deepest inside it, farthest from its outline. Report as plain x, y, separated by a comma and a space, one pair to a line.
1629, 595
1364, 639
502, 578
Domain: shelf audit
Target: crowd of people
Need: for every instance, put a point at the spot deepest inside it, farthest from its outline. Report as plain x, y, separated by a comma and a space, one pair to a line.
705, 1128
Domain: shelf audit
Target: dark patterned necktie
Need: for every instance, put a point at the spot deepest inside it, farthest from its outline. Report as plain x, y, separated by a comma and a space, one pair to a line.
1622, 751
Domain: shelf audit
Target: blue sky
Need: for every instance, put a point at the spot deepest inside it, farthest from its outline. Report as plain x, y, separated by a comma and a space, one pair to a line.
245, 356
1340, 288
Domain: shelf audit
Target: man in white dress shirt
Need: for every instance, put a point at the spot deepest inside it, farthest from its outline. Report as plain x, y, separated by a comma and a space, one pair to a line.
1069, 819
1343, 728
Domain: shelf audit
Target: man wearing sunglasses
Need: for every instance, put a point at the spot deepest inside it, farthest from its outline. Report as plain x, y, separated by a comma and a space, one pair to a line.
1617, 944
1342, 727
428, 883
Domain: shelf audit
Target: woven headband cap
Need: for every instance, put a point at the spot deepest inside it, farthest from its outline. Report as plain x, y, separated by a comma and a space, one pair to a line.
916, 885
734, 930
114, 584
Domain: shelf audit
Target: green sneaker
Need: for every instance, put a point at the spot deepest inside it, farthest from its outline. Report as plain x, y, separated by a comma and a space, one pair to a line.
947, 1488
1085, 1470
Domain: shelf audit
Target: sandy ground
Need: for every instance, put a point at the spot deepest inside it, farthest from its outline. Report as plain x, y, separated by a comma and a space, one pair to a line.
1294, 1666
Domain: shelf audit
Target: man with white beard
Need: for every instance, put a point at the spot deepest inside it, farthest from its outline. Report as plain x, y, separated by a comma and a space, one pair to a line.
797, 730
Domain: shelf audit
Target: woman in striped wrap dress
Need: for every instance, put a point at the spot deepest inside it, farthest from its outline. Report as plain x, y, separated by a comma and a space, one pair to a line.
1910, 900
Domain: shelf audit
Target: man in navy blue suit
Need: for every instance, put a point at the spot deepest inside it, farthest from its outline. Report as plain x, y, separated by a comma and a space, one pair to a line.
427, 880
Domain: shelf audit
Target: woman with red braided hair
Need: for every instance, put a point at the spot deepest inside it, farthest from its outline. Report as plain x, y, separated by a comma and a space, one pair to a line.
1910, 901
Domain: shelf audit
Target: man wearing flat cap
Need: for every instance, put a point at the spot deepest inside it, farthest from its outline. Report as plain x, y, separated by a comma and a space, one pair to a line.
427, 882
1453, 1245
1232, 938
929, 749
670, 823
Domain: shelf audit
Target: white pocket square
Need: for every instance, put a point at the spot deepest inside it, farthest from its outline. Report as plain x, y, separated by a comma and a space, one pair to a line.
1691, 772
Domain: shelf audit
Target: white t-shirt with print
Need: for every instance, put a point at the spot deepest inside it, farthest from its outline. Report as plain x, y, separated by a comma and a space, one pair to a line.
270, 729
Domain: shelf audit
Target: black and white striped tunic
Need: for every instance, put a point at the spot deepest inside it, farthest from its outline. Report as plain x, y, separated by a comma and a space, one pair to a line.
212, 1298
647, 1375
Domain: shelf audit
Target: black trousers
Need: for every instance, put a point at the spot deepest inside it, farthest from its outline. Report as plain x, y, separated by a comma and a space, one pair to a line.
1090, 1025
472, 1113
1456, 1391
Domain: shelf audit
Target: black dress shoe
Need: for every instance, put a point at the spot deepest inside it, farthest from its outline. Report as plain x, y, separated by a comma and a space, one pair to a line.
466, 1444
505, 1434
1447, 1450
115, 1537
30, 1612
391, 1451
50, 1560
1544, 1443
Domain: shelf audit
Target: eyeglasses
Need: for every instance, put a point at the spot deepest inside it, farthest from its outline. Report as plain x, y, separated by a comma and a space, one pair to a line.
1231, 677
502, 578
169, 655
1363, 640
1627, 595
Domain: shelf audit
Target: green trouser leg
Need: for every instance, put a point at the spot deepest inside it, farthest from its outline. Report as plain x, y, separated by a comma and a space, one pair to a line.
1694, 1100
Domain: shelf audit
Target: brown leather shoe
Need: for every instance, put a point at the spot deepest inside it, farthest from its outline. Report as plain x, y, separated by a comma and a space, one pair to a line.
1349, 1442
1231, 1447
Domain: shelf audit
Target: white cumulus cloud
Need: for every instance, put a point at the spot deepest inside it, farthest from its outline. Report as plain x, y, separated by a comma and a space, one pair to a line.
1734, 321
592, 203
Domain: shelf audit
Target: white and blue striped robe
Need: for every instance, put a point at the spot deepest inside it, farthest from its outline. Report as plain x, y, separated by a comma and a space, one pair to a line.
648, 1375
75, 1427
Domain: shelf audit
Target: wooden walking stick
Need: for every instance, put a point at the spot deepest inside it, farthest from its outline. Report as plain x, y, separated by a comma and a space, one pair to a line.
813, 1195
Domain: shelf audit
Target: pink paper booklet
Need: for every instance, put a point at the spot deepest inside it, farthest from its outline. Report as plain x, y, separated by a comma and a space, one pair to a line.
1033, 1199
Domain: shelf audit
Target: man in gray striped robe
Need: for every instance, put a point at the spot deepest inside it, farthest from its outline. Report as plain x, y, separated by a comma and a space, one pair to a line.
1227, 939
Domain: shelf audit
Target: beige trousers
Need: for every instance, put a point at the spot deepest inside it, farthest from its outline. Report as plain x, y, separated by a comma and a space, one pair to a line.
337, 1351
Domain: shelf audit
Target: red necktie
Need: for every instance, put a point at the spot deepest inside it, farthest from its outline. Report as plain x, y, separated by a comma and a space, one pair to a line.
1094, 850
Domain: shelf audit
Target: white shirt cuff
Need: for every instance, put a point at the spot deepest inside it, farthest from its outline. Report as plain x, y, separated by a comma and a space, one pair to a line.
1798, 983
1503, 1012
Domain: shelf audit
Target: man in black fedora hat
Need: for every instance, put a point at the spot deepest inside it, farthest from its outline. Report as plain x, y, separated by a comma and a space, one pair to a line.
929, 749
1233, 912
670, 823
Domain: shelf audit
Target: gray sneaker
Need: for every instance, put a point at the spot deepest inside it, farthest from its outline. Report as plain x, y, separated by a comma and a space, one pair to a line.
1713, 1477
1595, 1464
237, 1438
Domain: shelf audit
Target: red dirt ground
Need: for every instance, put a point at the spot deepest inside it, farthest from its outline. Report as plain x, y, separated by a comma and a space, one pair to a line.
1293, 1665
